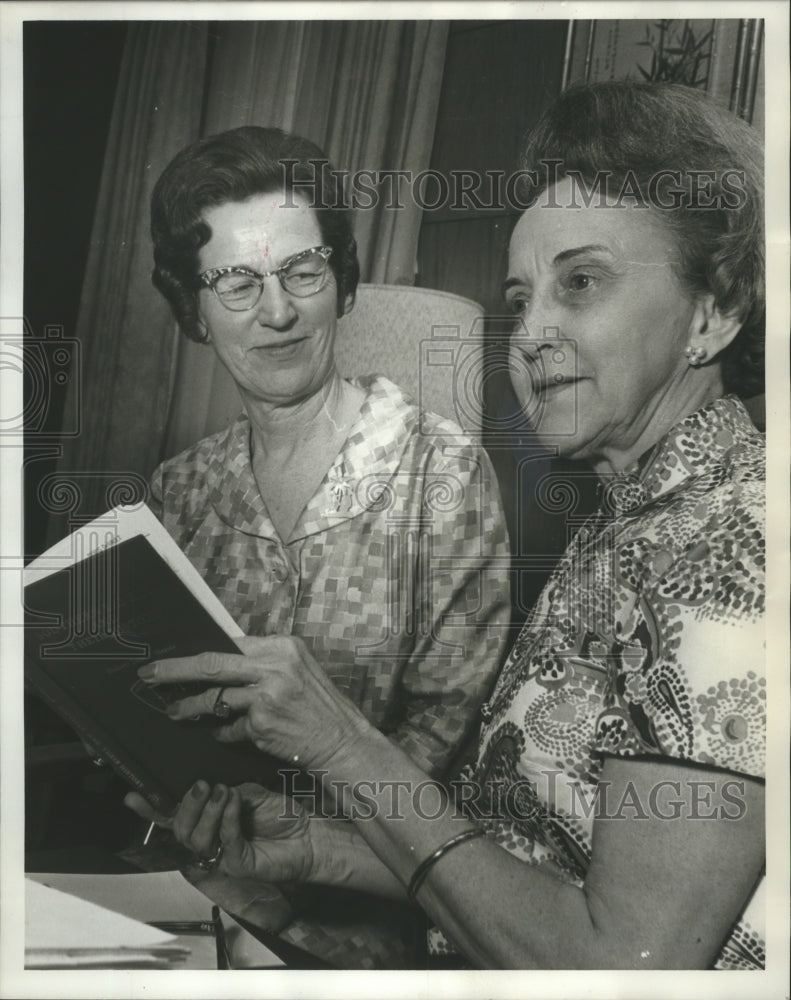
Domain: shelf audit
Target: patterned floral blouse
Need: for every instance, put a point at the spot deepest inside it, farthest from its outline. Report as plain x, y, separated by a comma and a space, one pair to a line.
647, 641
396, 575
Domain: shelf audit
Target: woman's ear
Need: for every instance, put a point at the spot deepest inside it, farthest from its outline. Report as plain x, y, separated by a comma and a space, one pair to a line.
348, 305
203, 330
201, 326
710, 329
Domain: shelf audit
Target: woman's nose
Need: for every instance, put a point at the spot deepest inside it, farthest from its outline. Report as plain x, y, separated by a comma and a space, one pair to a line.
536, 335
275, 308
541, 321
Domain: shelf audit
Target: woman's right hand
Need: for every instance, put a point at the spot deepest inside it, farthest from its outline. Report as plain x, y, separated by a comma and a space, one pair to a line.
264, 835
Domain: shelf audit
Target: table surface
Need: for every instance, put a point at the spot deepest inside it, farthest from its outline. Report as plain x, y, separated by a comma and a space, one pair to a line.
166, 896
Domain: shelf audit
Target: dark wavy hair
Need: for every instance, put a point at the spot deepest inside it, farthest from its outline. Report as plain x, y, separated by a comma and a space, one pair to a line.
230, 167
621, 133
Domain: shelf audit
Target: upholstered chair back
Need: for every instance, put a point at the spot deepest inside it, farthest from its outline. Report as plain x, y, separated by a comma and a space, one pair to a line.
428, 342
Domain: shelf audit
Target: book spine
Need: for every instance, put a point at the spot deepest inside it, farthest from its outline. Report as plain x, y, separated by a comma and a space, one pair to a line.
96, 737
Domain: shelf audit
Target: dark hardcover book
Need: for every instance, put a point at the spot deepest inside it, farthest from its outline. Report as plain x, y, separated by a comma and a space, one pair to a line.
89, 627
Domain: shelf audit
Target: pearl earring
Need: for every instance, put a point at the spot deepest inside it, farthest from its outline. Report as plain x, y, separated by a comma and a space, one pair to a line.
695, 355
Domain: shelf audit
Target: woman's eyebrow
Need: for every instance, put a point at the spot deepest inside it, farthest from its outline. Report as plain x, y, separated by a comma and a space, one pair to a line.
565, 255
560, 258
509, 283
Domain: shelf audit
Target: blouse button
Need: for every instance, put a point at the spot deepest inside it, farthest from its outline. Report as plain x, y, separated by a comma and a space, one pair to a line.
280, 572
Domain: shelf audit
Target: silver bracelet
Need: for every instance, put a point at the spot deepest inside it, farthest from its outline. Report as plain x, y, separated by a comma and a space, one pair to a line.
423, 868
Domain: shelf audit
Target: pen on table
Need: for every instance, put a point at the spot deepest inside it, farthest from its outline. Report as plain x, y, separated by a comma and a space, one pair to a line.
185, 926
149, 832
223, 958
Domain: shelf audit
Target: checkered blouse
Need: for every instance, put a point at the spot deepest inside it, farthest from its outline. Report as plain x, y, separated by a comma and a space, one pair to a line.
396, 573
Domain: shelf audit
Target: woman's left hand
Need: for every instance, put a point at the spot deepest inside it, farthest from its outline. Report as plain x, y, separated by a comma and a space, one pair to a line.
279, 698
264, 835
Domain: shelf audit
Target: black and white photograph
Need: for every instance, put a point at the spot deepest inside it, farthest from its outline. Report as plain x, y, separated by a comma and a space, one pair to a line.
395, 460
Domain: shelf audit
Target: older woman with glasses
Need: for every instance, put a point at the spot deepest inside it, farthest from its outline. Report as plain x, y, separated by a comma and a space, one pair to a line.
330, 509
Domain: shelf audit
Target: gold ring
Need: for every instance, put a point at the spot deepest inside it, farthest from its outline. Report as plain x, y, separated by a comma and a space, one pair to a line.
209, 864
221, 708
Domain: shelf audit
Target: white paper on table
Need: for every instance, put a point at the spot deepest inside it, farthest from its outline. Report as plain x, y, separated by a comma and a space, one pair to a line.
142, 896
161, 896
101, 958
59, 920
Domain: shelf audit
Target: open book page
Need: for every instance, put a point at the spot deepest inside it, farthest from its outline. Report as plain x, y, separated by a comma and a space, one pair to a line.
118, 525
115, 595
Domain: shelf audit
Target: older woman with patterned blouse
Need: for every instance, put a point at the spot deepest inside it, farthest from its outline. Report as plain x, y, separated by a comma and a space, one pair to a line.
615, 815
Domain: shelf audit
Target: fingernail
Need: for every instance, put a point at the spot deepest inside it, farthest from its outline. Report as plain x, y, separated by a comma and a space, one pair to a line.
147, 672
197, 790
218, 793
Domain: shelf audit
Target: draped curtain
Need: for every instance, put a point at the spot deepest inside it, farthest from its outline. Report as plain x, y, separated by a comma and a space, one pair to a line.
366, 91
120, 395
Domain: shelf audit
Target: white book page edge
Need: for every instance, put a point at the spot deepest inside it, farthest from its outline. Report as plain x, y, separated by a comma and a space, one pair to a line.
118, 525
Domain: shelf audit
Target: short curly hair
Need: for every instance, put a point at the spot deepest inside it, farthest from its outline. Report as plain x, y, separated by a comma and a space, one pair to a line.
231, 167
631, 133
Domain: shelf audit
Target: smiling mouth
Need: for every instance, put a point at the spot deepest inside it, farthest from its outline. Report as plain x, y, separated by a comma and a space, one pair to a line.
280, 346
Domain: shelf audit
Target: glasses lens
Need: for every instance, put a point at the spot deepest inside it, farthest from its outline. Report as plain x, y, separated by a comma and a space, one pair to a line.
306, 276
237, 291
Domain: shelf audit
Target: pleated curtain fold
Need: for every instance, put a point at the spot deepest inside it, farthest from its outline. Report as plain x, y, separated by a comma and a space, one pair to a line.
120, 398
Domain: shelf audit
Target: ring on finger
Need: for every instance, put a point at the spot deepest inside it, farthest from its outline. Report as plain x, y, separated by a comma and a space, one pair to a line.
221, 708
209, 864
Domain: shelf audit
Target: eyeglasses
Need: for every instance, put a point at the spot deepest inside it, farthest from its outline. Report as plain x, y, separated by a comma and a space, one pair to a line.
240, 288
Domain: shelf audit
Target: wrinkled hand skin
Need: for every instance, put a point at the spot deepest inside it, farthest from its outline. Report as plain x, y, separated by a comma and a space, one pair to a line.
263, 834
280, 698
265, 839
283, 702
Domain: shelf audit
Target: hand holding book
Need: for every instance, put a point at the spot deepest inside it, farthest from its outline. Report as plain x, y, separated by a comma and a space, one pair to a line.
280, 699
101, 604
